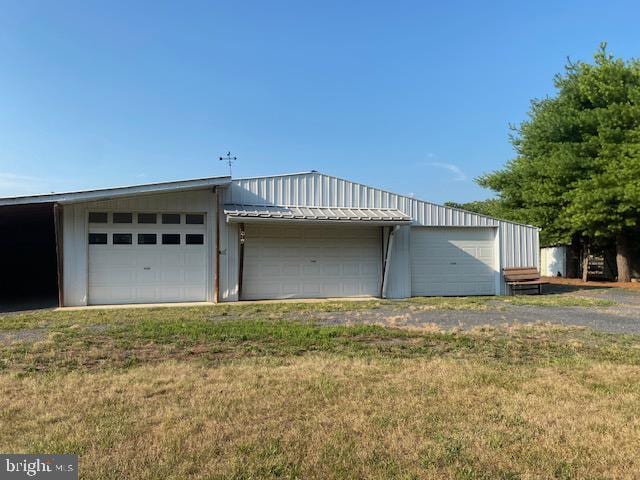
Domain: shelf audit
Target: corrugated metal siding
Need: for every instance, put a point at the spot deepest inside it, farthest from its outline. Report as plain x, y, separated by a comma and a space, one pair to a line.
519, 247
75, 262
74, 234
399, 276
518, 243
229, 261
191, 201
319, 190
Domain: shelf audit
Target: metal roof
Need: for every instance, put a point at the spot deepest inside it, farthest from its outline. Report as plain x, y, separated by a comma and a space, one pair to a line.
316, 188
114, 192
369, 216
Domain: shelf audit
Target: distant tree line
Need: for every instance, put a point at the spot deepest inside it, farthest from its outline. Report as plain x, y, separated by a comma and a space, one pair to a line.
576, 173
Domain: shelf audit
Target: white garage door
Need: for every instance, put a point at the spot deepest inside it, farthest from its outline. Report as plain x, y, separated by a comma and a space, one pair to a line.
147, 257
283, 261
453, 261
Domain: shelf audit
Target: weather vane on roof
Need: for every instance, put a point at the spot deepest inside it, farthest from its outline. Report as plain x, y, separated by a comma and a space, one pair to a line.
229, 160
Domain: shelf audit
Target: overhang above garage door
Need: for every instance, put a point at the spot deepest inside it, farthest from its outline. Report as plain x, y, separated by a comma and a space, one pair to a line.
336, 215
453, 261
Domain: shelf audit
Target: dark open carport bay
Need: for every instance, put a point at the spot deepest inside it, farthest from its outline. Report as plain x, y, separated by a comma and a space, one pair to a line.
29, 263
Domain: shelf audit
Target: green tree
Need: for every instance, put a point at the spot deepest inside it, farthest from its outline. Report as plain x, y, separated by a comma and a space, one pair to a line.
577, 169
492, 207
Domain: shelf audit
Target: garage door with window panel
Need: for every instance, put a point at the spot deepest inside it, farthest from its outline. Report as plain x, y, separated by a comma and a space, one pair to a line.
147, 257
311, 261
453, 261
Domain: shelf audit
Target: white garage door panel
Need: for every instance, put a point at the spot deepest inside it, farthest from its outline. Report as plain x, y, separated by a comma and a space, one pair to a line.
147, 273
311, 262
453, 261
126, 280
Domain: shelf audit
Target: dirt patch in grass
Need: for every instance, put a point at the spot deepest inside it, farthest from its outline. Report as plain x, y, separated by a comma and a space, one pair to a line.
24, 335
325, 416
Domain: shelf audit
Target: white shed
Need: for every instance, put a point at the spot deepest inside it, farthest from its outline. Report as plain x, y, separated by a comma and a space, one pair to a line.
553, 261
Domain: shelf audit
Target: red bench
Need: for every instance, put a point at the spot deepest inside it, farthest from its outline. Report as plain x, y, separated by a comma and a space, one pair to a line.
523, 278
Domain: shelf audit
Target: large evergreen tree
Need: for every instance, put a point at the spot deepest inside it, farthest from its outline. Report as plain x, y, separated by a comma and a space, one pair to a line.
492, 207
577, 169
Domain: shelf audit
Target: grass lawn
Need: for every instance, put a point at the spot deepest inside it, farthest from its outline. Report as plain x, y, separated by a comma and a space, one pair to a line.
265, 391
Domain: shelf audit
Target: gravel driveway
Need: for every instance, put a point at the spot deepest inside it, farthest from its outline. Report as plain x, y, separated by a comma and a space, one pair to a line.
624, 317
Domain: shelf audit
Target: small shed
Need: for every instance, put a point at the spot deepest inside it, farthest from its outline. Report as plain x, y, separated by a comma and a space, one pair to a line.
553, 261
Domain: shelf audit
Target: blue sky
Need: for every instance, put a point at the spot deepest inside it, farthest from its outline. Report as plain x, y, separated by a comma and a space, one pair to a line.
414, 97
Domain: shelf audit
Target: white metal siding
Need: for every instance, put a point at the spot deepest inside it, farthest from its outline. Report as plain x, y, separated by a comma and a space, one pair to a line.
398, 284
75, 233
519, 247
316, 189
74, 237
229, 242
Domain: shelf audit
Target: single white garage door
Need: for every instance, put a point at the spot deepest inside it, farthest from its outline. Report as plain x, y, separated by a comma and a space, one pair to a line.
453, 261
147, 257
286, 261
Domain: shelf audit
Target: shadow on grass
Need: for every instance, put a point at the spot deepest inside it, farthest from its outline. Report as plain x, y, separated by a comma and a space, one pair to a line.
559, 289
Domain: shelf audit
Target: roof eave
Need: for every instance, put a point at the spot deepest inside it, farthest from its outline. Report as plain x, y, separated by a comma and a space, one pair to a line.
317, 221
118, 192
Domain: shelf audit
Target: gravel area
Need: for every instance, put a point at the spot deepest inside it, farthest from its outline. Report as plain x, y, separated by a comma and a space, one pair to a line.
624, 317
26, 335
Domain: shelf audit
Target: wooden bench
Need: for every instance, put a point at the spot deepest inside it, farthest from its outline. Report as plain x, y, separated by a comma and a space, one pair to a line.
523, 278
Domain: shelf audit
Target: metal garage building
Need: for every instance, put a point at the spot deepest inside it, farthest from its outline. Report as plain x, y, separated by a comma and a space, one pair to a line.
305, 235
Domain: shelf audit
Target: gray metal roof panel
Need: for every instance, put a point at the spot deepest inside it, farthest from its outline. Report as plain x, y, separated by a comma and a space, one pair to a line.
115, 192
319, 214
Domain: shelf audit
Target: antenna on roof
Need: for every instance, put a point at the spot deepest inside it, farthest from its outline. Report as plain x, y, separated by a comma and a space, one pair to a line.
229, 160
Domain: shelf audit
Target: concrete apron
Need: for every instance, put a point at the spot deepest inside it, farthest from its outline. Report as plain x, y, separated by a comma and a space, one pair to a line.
211, 304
